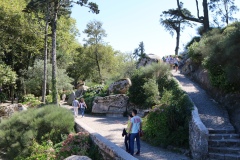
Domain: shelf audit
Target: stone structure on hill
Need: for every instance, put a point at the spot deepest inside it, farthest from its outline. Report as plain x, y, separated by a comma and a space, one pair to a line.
120, 87
113, 105
149, 59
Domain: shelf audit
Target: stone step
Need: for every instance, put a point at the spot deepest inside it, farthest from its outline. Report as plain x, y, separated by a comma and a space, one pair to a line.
223, 136
224, 150
222, 131
224, 143
220, 156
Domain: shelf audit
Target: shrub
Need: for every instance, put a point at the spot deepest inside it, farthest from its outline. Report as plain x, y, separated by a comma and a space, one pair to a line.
31, 100
138, 93
40, 152
91, 93
223, 60
75, 144
167, 123
48, 122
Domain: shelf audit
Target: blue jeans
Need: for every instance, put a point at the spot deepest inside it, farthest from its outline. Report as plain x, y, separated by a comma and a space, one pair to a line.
82, 111
131, 142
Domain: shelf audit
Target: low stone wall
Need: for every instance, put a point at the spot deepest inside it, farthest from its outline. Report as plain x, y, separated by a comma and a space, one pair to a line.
108, 149
198, 137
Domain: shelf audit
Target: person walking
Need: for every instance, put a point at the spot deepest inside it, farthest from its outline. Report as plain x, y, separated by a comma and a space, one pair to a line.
82, 106
135, 127
75, 105
126, 139
176, 63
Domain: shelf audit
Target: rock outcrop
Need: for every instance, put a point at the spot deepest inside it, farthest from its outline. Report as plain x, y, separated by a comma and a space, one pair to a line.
113, 104
120, 87
149, 59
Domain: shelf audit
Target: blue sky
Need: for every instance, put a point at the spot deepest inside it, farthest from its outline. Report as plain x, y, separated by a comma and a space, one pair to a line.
129, 22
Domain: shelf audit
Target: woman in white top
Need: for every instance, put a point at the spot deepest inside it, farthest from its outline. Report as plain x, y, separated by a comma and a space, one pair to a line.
82, 106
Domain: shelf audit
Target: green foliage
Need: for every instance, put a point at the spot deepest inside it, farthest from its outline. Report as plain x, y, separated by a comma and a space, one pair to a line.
48, 122
142, 77
31, 100
91, 93
222, 60
7, 75
168, 122
151, 92
75, 144
35, 75
40, 152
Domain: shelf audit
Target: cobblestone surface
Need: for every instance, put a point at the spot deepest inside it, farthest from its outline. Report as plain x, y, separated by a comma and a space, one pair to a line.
111, 128
212, 115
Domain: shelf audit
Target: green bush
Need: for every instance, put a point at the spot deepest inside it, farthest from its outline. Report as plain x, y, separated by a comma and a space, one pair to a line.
75, 144
31, 100
223, 61
218, 52
167, 123
143, 84
40, 152
48, 122
91, 93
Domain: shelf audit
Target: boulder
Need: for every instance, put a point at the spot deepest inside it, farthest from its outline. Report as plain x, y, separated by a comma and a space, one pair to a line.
71, 97
7, 111
74, 157
120, 87
21, 107
149, 59
113, 104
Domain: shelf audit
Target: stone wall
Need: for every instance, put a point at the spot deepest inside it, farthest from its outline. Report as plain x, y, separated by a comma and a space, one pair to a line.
230, 101
198, 137
108, 149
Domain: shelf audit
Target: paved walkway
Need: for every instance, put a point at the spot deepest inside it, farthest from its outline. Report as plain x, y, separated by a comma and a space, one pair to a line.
212, 115
111, 128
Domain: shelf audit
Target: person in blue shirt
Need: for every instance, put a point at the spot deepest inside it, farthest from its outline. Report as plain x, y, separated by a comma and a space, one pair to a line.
135, 127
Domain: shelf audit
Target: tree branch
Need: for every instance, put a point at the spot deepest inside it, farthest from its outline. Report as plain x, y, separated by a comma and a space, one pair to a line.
185, 17
197, 9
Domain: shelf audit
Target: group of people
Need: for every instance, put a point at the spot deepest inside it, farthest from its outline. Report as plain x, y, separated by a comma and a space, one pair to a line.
79, 104
174, 61
132, 132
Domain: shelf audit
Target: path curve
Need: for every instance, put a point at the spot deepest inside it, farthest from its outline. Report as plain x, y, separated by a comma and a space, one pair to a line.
111, 128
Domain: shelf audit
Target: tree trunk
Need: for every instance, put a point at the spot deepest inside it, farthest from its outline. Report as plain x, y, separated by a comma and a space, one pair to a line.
177, 39
54, 63
45, 57
98, 65
206, 17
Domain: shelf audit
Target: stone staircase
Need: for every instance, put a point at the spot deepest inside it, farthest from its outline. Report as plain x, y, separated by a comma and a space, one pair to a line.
223, 144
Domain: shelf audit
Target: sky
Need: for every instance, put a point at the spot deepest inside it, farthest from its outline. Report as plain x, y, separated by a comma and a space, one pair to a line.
128, 22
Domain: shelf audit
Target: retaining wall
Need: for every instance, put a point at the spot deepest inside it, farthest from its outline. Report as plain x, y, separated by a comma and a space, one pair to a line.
108, 149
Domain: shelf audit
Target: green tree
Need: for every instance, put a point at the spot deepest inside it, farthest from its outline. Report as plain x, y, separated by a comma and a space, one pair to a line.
35, 75
7, 75
173, 22
140, 51
223, 8
200, 19
95, 34
57, 8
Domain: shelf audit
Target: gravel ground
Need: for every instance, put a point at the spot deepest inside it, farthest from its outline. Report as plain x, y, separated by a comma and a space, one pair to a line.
111, 128
211, 113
